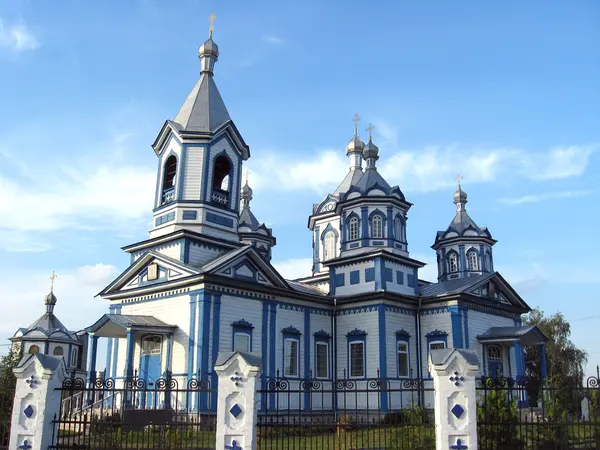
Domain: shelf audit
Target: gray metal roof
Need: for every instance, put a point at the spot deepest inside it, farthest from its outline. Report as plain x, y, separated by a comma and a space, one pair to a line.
372, 178
301, 287
452, 286
529, 335
138, 321
204, 109
248, 219
354, 174
254, 359
441, 356
47, 361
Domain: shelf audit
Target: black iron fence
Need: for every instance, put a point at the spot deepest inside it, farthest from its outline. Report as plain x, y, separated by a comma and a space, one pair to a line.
170, 413
7, 394
524, 413
345, 414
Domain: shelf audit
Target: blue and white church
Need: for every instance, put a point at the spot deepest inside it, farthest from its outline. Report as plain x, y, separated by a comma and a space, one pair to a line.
202, 283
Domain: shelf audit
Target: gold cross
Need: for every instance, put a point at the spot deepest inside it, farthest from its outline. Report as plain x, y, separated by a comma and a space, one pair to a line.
356, 119
370, 128
458, 178
247, 175
211, 19
52, 278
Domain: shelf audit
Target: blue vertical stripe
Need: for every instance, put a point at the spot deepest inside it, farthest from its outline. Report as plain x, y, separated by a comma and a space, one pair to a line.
390, 227
216, 333
382, 356
264, 350
365, 224
466, 322
192, 334
457, 327
307, 356
273, 343
202, 345
463, 262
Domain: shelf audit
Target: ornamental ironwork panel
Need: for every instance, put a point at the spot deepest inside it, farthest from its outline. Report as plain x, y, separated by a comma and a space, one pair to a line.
173, 412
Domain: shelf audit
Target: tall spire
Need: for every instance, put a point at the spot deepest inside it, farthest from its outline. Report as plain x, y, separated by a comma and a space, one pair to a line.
209, 51
246, 193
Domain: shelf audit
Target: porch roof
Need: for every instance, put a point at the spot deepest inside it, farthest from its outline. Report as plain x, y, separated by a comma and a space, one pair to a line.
529, 335
116, 325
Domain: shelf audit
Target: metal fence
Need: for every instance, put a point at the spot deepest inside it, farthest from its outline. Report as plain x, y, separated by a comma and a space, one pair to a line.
525, 413
345, 414
7, 394
171, 413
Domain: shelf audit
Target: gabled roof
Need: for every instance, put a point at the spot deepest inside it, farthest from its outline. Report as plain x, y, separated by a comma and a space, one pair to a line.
470, 285
140, 263
204, 109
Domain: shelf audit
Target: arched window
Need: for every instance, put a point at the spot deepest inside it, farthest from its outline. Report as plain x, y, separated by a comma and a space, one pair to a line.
74, 357
34, 349
220, 182
168, 190
353, 225
151, 345
473, 260
398, 228
453, 262
377, 232
58, 351
328, 246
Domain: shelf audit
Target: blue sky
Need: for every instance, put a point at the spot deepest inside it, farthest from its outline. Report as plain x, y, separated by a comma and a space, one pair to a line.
506, 95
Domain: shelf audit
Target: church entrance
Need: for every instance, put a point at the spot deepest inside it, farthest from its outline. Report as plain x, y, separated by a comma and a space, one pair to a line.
150, 362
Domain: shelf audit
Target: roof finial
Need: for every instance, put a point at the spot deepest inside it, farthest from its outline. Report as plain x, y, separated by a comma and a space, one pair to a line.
247, 175
211, 19
356, 119
370, 129
458, 178
52, 278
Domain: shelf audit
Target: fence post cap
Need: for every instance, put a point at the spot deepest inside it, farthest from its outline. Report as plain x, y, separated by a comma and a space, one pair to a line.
48, 365
248, 362
441, 359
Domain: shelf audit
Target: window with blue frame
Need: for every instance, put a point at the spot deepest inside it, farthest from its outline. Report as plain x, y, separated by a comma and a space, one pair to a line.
369, 274
389, 274
410, 280
399, 277
377, 227
356, 353
322, 359
495, 360
355, 277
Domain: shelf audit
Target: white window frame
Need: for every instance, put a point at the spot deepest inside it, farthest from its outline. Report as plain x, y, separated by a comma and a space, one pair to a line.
436, 342
285, 358
499, 358
59, 348
353, 226
328, 246
242, 334
453, 261
326, 345
154, 349
377, 226
364, 368
473, 260
403, 352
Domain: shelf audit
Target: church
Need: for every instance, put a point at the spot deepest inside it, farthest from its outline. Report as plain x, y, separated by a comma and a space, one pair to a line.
202, 283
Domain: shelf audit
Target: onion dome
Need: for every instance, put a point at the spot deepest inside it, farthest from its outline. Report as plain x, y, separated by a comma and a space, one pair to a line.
355, 145
246, 195
208, 54
460, 197
371, 151
50, 301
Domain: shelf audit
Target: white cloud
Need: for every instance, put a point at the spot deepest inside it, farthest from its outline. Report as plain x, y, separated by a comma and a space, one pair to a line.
536, 198
427, 169
17, 37
23, 294
273, 40
294, 268
81, 194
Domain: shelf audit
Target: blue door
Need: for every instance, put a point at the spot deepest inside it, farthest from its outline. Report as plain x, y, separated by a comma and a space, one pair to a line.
150, 365
495, 357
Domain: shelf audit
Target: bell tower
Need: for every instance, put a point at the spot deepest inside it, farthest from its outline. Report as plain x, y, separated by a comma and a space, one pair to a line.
200, 154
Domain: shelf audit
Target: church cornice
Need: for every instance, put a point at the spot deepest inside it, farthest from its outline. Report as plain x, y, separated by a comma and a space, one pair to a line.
442, 242
377, 252
179, 234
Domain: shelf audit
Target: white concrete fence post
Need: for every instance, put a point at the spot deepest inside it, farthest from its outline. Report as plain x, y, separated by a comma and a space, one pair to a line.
36, 401
236, 405
454, 372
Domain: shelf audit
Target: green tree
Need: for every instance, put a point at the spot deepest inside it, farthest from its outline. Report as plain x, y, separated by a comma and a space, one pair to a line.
564, 361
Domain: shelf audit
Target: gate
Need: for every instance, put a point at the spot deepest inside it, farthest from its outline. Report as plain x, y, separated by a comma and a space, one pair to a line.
345, 414
7, 395
171, 413
524, 414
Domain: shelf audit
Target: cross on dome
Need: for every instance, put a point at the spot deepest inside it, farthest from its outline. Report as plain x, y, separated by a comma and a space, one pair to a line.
370, 129
356, 119
211, 19
52, 278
